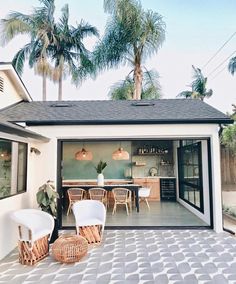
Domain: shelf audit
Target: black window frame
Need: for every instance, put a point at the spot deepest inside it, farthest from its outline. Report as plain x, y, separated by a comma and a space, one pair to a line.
182, 181
25, 169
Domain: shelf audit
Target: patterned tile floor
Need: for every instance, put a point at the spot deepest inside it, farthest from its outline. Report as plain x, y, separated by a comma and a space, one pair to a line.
138, 256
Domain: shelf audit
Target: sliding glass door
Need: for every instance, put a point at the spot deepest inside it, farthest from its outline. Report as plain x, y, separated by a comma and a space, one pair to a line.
190, 174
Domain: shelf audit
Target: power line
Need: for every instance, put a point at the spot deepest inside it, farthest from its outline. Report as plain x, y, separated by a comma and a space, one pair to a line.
218, 73
218, 66
224, 44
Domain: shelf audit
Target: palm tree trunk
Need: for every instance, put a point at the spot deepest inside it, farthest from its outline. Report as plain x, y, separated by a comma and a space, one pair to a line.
44, 87
60, 89
138, 78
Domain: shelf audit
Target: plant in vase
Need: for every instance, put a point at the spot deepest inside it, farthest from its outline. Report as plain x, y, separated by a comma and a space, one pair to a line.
47, 201
99, 168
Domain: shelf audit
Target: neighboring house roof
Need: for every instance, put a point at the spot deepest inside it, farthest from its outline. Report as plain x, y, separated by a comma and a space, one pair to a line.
16, 80
13, 129
114, 112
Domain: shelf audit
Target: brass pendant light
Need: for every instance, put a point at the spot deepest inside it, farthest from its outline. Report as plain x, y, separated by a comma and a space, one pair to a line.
84, 155
120, 154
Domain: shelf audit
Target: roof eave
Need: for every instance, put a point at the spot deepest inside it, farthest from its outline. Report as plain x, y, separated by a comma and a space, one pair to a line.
111, 122
22, 133
7, 66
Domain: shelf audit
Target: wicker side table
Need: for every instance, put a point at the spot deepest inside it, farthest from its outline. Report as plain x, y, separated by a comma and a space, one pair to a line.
69, 248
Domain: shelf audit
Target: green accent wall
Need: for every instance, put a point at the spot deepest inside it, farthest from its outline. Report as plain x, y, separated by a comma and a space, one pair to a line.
74, 169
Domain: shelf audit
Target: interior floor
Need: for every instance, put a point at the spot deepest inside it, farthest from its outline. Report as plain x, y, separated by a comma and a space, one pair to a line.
160, 214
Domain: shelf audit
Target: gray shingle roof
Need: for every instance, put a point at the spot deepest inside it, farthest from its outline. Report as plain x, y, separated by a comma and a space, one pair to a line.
95, 112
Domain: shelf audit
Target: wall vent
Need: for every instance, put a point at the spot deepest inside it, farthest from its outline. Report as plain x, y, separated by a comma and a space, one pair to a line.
1, 85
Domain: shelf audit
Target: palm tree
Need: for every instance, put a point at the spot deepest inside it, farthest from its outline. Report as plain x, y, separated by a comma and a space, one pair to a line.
198, 87
39, 26
232, 65
123, 90
69, 53
131, 36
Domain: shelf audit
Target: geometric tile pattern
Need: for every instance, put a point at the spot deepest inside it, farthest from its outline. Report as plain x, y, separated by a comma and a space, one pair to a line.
138, 256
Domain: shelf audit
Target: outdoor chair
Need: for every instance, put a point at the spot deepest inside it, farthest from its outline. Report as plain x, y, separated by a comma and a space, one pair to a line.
144, 193
100, 194
74, 195
122, 196
90, 217
35, 230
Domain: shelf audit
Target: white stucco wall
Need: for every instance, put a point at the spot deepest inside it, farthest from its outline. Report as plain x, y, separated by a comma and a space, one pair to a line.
8, 229
10, 95
35, 177
48, 163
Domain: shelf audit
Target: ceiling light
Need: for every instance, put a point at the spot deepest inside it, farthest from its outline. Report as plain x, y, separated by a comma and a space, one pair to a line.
84, 155
120, 154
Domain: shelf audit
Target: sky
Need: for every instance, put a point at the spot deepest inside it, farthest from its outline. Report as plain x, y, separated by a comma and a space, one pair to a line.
195, 30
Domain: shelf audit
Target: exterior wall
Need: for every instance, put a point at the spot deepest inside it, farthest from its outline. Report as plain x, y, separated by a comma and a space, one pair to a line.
216, 183
38, 171
49, 150
44, 166
8, 229
10, 95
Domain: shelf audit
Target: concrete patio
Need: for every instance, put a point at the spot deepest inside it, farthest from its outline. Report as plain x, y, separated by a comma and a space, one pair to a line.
138, 256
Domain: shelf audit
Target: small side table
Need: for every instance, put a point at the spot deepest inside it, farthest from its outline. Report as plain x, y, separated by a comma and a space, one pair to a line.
69, 248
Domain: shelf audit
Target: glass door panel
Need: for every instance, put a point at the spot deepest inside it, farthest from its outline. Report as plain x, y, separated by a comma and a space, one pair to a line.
190, 175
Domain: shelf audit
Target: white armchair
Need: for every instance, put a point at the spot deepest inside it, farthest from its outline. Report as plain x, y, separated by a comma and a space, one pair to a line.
35, 229
90, 217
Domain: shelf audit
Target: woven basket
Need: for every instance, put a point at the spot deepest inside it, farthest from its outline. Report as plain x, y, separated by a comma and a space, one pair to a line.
69, 248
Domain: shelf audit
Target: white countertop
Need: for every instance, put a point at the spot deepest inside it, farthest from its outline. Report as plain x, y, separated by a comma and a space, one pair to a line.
112, 180
153, 177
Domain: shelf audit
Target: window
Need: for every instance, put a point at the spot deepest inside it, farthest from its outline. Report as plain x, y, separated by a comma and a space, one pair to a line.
13, 162
190, 174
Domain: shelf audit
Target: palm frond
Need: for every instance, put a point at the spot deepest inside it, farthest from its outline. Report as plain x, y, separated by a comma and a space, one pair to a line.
15, 24
83, 30
198, 86
232, 65
151, 88
122, 90
64, 19
20, 58
185, 94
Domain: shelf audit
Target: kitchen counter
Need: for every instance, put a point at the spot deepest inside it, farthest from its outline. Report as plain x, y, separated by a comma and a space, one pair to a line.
69, 182
150, 177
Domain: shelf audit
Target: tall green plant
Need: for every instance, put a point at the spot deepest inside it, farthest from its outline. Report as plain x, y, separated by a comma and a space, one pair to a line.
131, 36
228, 137
47, 198
100, 166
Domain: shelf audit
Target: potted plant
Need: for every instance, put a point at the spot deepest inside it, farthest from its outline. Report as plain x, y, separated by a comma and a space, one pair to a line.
99, 168
47, 201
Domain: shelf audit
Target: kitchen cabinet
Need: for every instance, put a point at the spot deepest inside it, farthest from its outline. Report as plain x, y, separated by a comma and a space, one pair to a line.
153, 183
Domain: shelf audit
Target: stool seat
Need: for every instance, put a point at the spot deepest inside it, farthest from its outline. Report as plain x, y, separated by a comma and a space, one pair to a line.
69, 248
